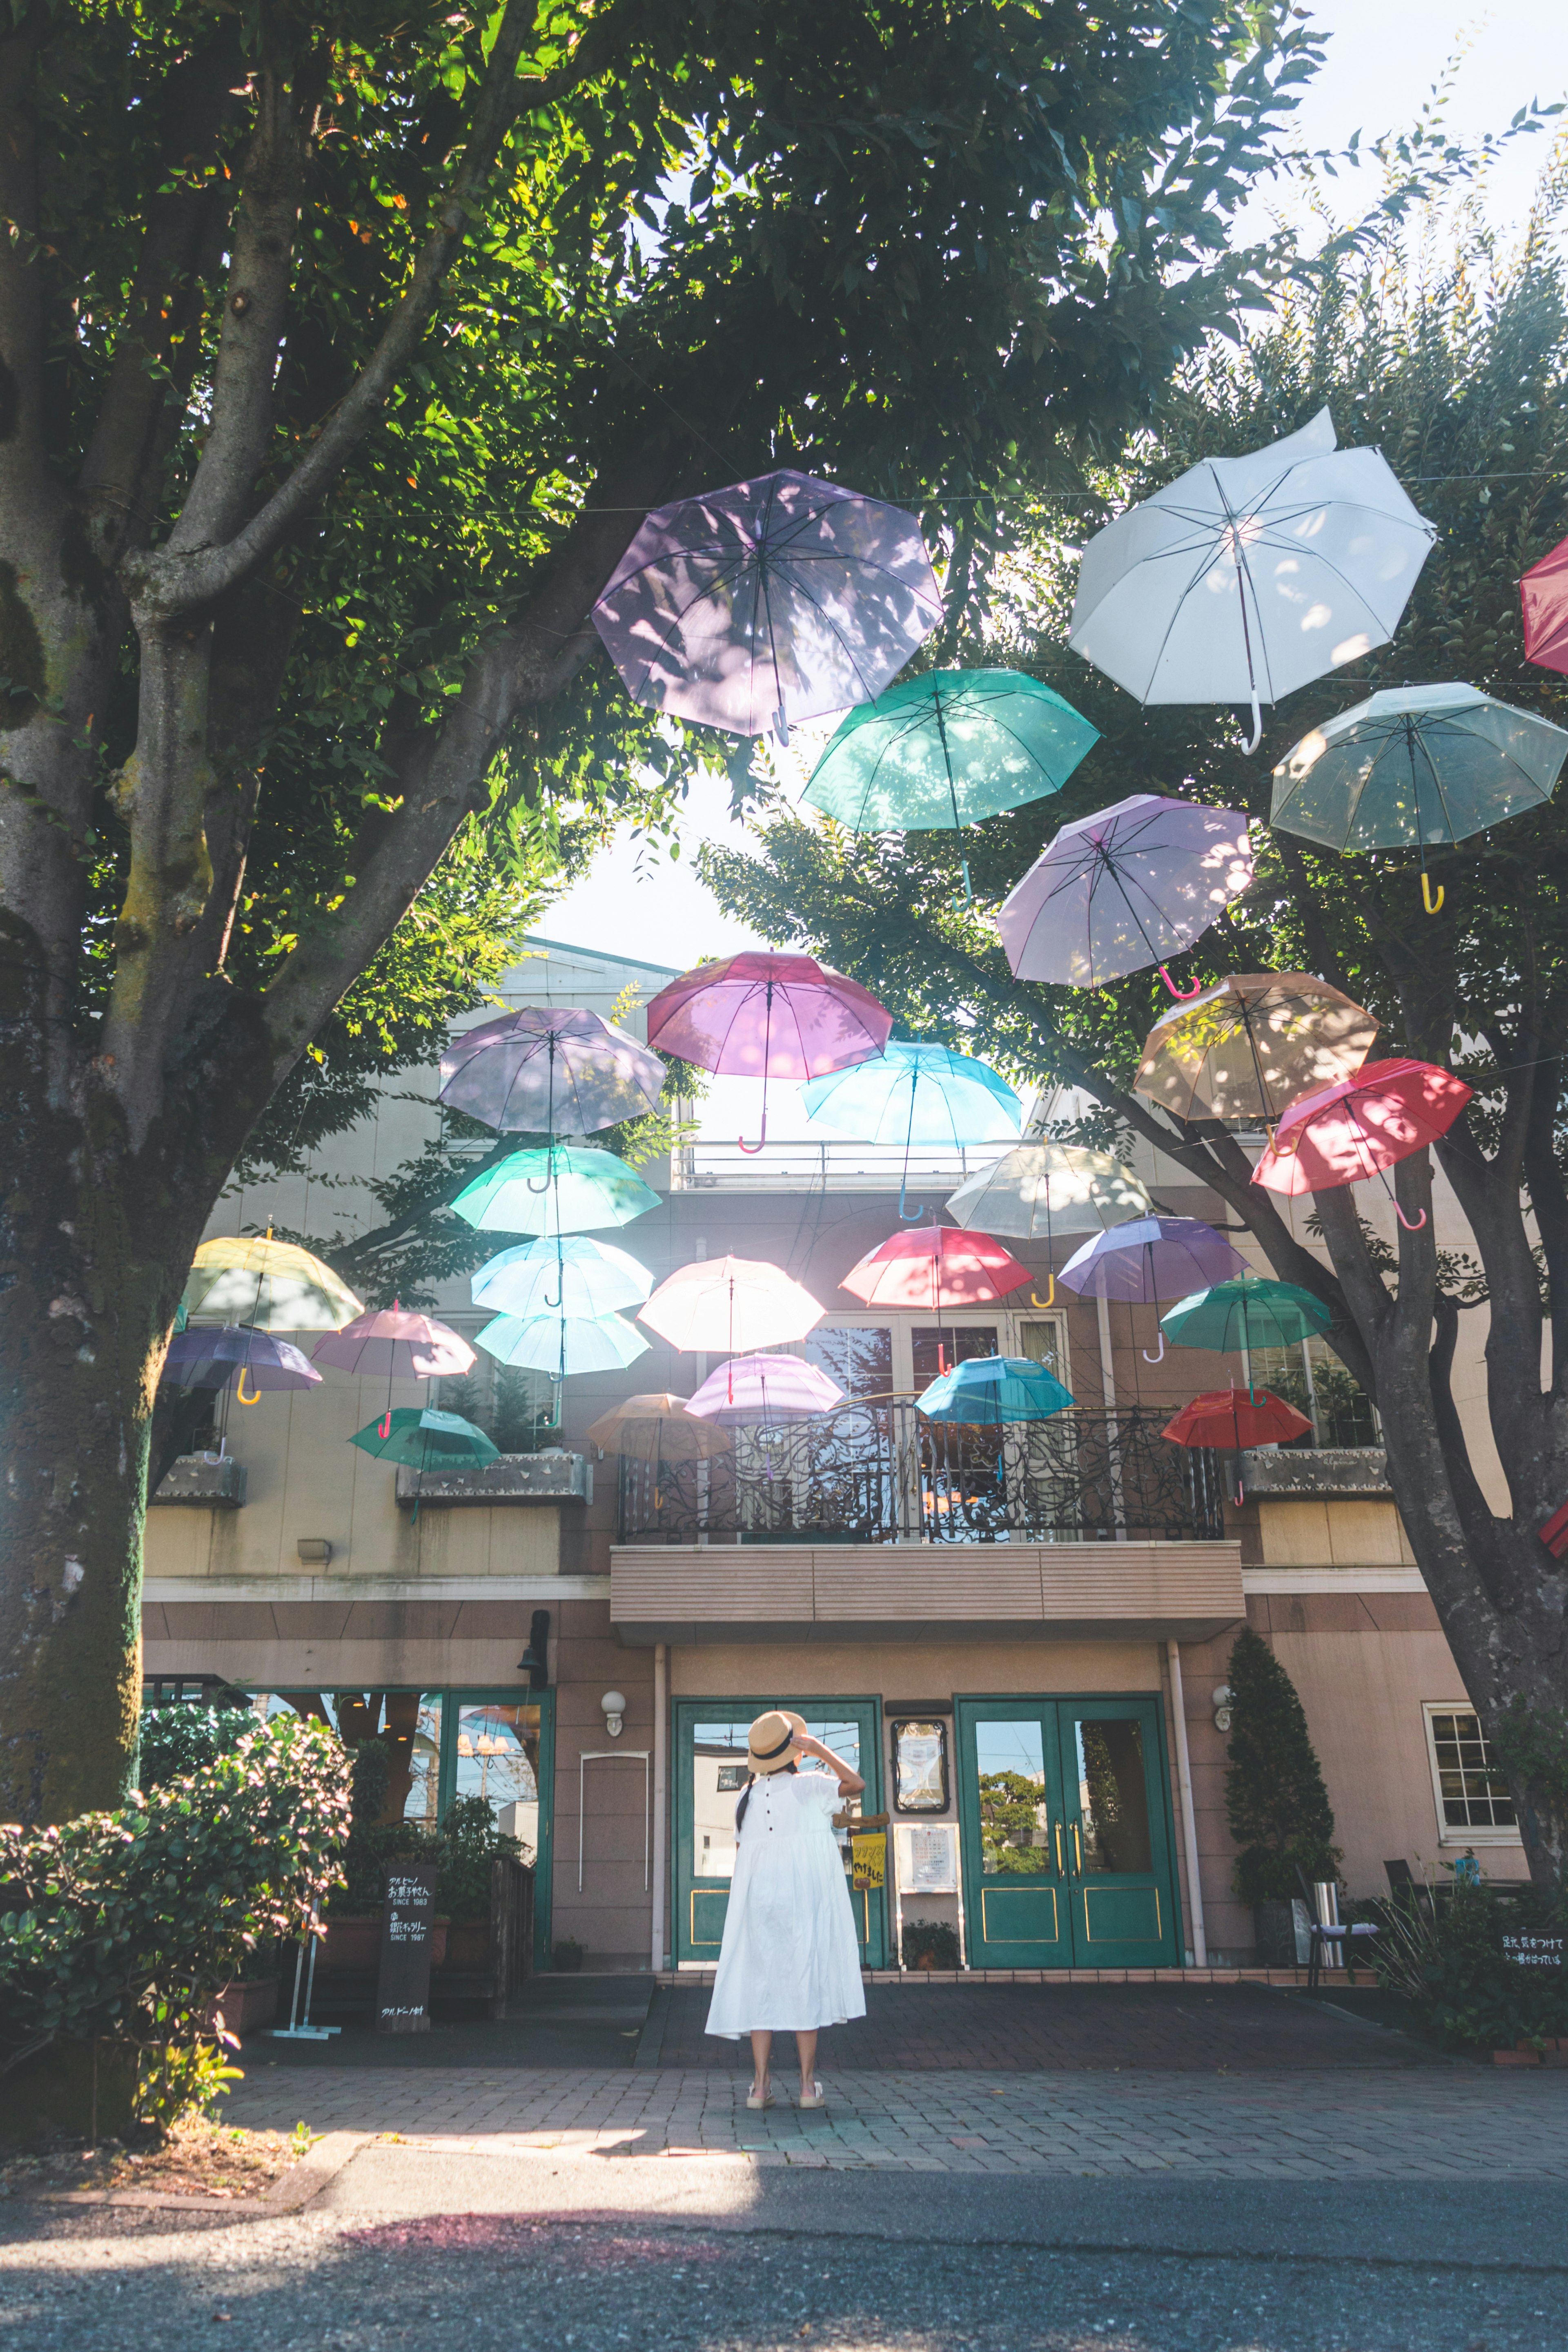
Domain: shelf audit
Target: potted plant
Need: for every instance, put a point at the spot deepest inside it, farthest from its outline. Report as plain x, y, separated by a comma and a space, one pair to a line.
930, 1944
1279, 1809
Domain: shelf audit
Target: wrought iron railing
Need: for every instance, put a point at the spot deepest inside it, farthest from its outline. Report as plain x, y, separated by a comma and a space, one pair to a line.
877, 1470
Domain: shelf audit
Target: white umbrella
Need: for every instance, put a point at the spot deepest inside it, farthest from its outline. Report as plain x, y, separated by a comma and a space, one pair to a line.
1248, 577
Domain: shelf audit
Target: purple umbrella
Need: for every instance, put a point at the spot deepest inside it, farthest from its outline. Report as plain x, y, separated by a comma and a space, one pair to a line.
759, 1014
768, 602
1132, 885
1151, 1258
211, 1360
551, 1072
764, 1388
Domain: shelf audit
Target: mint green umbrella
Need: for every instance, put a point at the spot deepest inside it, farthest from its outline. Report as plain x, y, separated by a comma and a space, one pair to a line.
948, 749
1246, 1314
566, 1188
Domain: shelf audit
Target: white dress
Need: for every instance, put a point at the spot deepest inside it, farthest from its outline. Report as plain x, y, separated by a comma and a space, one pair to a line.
789, 1959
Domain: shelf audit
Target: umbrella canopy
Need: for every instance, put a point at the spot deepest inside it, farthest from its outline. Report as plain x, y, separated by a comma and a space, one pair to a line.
1150, 1258
730, 1306
1248, 577
946, 749
759, 1015
424, 1441
768, 602
1345, 1132
549, 1072
1543, 594
989, 1390
1229, 1419
916, 1094
569, 1274
563, 1344
936, 1270
1039, 1190
205, 1359
1132, 885
764, 1389
1414, 765
1245, 1049
564, 1188
657, 1427
1246, 1314
403, 1345
277, 1286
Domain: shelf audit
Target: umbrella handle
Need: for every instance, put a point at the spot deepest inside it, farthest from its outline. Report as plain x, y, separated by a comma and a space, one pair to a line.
1050, 1298
383, 1426
1257, 735
1405, 1221
1155, 1359
552, 1304
741, 1141
1195, 990
908, 1216
1433, 906
239, 1388
968, 897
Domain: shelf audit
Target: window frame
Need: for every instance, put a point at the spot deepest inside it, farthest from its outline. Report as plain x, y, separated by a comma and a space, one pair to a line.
1451, 1834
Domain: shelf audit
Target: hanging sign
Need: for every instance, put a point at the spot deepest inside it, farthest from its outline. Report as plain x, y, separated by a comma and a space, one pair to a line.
869, 1850
408, 1934
928, 1858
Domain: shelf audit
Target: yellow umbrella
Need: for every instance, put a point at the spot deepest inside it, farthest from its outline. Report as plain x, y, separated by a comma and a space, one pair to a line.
657, 1427
272, 1286
1246, 1049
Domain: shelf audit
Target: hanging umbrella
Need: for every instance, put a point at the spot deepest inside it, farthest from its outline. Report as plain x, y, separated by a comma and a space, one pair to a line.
1416, 765
1150, 1258
729, 1306
1246, 1314
1041, 1189
204, 1358
1248, 577
1132, 885
1543, 595
916, 1094
425, 1440
990, 1390
404, 1345
558, 1189
770, 1389
761, 1016
277, 1286
949, 747
1244, 1049
570, 1273
768, 602
1231, 1419
1360, 1127
939, 1268
657, 1427
563, 1344
551, 1072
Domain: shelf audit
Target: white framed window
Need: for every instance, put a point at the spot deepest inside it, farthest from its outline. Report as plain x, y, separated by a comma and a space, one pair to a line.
1474, 1807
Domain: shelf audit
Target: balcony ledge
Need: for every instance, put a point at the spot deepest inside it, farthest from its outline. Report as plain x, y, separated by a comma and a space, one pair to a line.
549, 1477
213, 1484
1331, 1474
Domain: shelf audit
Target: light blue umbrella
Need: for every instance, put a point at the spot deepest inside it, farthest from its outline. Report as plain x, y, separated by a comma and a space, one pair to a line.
563, 1344
564, 1188
570, 1274
916, 1094
989, 1390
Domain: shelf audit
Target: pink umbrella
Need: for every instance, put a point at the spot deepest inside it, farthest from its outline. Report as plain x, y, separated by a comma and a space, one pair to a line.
941, 1266
729, 1306
401, 1345
1543, 594
1343, 1133
764, 1388
759, 1015
1131, 885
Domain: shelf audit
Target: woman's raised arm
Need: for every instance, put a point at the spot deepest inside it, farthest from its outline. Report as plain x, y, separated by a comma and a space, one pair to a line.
850, 1781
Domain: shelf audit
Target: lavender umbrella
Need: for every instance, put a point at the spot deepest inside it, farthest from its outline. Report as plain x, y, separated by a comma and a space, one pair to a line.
205, 1359
760, 1014
1150, 1258
1132, 885
764, 1388
551, 1072
768, 602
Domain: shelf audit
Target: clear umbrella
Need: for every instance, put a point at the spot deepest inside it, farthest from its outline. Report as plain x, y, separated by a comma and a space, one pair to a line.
549, 1071
275, 1285
1248, 577
570, 1274
916, 1094
1247, 1047
1039, 1190
563, 1344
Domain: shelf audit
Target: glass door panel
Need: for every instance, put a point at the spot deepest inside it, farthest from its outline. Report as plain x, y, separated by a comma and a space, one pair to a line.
1013, 1831
1124, 1914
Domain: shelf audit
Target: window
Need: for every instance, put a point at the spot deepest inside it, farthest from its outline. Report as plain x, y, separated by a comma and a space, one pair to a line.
408, 1721
1474, 1807
1312, 1378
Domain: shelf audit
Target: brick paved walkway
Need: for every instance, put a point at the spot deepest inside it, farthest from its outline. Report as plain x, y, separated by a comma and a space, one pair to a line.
1443, 2123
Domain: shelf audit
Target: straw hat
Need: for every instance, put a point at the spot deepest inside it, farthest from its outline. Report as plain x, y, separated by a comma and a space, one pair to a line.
770, 1744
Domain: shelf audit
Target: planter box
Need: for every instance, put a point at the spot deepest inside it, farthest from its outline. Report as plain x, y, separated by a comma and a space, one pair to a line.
85, 2088
556, 1477
1328, 1473
244, 2006
193, 1479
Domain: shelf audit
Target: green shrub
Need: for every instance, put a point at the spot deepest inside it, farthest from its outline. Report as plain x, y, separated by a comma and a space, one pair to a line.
125, 1924
933, 1940
463, 1849
177, 1740
1451, 1967
1277, 1805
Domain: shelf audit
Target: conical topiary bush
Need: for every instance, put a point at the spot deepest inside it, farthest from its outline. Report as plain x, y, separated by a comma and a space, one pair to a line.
1279, 1809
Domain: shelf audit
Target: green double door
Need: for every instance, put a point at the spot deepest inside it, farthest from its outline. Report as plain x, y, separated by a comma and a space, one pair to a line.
710, 1773
1067, 1835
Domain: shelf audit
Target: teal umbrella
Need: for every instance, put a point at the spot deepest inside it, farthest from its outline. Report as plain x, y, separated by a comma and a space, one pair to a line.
948, 749
566, 1188
563, 1344
992, 1389
1246, 1314
1413, 765
916, 1094
424, 1441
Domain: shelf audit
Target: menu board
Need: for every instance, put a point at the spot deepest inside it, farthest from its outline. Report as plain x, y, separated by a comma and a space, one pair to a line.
920, 1767
408, 1931
927, 1859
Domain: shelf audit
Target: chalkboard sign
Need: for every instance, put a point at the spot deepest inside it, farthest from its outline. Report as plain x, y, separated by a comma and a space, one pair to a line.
408, 1930
1533, 1951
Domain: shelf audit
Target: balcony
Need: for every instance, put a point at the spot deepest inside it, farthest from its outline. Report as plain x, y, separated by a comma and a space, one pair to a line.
877, 1472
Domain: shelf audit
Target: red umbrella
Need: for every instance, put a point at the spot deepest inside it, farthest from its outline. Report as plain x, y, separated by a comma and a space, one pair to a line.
1232, 1418
761, 1016
941, 1266
1359, 1126
1543, 593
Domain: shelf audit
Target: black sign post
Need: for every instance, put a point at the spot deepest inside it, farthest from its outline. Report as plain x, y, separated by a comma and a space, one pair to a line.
408, 1928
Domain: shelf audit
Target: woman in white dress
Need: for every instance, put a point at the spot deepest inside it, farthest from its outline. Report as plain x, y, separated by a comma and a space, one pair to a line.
789, 1961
